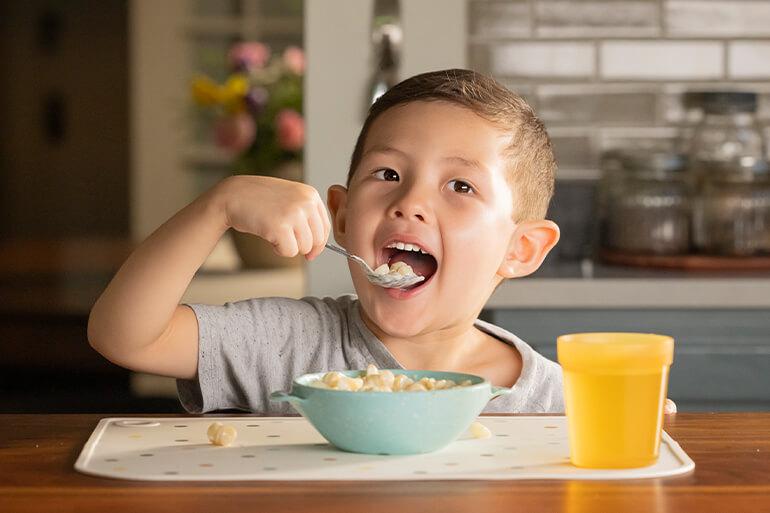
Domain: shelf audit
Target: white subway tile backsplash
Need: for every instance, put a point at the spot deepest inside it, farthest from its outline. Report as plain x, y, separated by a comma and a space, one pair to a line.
492, 20
597, 18
526, 91
651, 60
544, 59
573, 152
609, 73
603, 104
712, 18
749, 59
610, 138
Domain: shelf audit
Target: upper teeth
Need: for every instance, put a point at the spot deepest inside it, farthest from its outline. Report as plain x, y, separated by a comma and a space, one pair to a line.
407, 247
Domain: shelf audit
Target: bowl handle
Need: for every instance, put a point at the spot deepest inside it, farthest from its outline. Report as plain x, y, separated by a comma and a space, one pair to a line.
497, 391
285, 396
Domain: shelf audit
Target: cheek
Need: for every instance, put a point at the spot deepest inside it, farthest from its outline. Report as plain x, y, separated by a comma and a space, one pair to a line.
363, 204
479, 225
480, 243
361, 222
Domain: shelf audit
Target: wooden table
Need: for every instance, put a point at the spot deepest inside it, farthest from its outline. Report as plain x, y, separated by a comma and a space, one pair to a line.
731, 452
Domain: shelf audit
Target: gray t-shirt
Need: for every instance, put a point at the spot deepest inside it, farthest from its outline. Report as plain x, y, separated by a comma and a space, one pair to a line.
251, 348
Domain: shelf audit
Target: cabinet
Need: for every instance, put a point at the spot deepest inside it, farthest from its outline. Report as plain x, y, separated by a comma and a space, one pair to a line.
721, 357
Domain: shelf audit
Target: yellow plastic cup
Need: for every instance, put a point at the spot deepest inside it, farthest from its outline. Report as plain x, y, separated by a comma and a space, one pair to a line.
614, 391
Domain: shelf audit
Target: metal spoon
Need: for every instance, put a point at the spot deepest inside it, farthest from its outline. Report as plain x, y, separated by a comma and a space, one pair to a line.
387, 281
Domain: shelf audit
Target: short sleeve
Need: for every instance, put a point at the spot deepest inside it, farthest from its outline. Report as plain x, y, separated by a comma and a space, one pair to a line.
538, 388
550, 393
248, 349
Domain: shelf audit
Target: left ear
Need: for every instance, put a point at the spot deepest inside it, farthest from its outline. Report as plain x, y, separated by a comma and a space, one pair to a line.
530, 243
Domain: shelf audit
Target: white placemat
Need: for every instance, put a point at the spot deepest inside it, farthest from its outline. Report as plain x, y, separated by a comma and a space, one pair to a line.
290, 449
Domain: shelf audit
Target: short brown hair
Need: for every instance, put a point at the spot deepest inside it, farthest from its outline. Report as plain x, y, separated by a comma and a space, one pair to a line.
532, 163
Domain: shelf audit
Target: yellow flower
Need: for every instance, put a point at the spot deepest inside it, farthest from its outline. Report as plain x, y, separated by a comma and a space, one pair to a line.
205, 91
234, 92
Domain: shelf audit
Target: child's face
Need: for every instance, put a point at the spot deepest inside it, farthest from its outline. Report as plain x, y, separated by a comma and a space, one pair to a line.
432, 174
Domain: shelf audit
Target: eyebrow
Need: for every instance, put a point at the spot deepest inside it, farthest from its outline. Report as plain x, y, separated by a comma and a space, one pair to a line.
470, 163
384, 149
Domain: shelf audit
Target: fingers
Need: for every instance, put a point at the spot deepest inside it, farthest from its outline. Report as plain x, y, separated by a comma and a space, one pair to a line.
304, 235
300, 225
669, 407
320, 226
285, 242
319, 233
324, 215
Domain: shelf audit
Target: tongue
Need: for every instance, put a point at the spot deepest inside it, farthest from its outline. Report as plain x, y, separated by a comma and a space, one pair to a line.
422, 265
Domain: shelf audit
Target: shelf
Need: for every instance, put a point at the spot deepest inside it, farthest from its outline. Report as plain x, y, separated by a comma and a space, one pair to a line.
206, 155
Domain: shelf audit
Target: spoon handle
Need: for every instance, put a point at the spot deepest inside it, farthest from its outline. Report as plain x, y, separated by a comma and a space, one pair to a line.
360, 261
337, 249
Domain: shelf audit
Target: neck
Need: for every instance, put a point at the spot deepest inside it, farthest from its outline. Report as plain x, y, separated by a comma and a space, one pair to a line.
446, 349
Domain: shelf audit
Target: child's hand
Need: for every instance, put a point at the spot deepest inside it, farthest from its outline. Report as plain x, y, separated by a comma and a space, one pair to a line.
669, 407
289, 215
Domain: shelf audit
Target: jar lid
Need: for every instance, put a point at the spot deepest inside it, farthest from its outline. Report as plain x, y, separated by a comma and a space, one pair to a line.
725, 102
654, 164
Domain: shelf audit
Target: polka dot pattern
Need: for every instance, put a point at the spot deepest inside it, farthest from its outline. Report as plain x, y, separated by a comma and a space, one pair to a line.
290, 449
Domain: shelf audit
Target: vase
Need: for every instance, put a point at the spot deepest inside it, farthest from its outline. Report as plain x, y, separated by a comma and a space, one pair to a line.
256, 253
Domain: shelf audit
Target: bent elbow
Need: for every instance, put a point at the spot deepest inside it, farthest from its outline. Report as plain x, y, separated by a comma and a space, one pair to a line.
95, 334
92, 333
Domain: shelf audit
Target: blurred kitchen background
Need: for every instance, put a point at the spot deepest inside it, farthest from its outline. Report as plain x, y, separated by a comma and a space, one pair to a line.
116, 113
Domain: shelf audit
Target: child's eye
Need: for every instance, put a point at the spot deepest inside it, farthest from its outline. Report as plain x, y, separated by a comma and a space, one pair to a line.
461, 187
386, 174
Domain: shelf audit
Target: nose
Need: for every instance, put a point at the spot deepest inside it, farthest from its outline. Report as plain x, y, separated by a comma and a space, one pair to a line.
411, 204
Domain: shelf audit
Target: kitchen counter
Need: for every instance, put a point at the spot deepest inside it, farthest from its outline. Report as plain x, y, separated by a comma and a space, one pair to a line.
730, 452
588, 284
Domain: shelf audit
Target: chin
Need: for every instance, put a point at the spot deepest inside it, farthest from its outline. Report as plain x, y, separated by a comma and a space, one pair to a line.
395, 322
398, 328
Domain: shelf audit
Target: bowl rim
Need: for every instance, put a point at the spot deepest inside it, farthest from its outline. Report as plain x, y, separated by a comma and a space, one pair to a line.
476, 386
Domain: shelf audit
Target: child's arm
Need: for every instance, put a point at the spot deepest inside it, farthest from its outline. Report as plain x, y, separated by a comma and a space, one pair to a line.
138, 323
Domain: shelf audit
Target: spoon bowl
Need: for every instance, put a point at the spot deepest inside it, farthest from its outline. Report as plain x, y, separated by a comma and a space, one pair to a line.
388, 281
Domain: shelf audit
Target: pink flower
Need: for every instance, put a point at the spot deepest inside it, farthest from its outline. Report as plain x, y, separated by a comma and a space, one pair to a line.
291, 130
248, 55
294, 59
236, 132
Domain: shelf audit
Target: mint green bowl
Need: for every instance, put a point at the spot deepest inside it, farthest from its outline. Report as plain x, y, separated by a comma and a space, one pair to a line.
391, 422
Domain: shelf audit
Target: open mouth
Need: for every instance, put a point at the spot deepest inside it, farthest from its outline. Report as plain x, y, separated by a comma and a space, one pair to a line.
421, 262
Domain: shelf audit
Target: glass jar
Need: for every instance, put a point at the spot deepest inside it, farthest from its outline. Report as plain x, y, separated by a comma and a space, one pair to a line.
732, 211
728, 130
645, 202
728, 173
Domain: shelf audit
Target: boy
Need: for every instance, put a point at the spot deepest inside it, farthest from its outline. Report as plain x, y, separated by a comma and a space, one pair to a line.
452, 174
